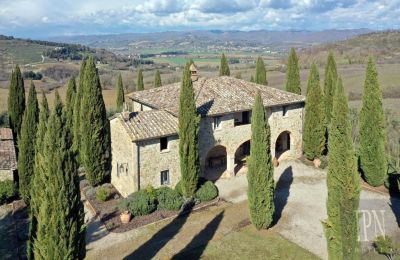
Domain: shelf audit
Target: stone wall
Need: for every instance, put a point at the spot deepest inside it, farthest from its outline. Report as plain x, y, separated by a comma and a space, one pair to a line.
6, 175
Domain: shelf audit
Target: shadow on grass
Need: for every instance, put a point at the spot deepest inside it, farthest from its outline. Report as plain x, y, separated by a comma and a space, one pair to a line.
149, 249
282, 192
196, 247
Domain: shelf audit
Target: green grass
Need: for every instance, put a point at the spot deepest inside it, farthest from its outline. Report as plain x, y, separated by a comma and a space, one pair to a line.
247, 243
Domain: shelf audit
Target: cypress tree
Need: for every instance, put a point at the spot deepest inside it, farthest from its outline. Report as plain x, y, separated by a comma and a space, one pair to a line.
330, 82
157, 79
260, 177
224, 67
69, 108
261, 74
94, 127
76, 136
293, 73
26, 144
16, 102
140, 84
60, 217
314, 124
252, 79
37, 182
341, 227
188, 136
372, 129
120, 94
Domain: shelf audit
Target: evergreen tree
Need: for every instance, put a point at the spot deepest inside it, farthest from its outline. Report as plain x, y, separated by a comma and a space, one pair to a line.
224, 67
94, 127
26, 144
314, 124
69, 108
120, 94
16, 102
140, 84
37, 183
372, 129
76, 136
60, 217
252, 79
260, 177
330, 82
341, 227
157, 79
261, 74
188, 136
293, 73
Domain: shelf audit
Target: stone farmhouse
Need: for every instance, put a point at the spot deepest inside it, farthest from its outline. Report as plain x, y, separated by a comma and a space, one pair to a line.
145, 141
8, 158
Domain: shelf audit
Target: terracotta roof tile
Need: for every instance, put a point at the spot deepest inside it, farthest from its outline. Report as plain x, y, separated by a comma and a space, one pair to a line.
217, 95
8, 159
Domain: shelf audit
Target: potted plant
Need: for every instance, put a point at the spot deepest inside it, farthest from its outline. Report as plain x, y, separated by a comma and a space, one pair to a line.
125, 215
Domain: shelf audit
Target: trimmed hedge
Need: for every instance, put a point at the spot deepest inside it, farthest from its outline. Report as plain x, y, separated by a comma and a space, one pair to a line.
140, 203
169, 199
207, 192
7, 191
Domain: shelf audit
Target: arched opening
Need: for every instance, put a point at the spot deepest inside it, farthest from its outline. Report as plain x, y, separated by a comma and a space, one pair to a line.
241, 155
215, 164
282, 144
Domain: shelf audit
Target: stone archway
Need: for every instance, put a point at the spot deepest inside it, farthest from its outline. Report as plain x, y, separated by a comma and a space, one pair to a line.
282, 145
241, 154
215, 162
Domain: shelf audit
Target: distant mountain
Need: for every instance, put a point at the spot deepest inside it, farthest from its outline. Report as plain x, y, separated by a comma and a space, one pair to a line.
204, 38
383, 46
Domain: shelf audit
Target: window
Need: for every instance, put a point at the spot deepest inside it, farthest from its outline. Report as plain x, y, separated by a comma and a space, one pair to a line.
284, 110
163, 143
217, 122
165, 177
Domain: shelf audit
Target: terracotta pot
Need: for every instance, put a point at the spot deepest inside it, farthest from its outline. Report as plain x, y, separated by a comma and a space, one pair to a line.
317, 162
275, 162
125, 217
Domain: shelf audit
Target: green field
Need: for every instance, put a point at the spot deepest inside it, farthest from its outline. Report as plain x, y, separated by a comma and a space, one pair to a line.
20, 52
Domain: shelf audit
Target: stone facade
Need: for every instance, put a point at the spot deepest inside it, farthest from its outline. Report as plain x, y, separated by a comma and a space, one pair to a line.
6, 175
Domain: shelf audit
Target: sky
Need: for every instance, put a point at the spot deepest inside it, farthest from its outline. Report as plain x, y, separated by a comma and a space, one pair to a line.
41, 19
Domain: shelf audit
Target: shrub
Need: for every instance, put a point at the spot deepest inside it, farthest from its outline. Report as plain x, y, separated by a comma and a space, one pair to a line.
384, 245
151, 191
178, 188
324, 162
103, 193
169, 199
7, 191
140, 203
207, 191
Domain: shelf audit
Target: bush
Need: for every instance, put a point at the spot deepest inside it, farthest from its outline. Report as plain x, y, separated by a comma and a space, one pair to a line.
169, 199
140, 203
7, 191
178, 188
384, 245
324, 162
151, 191
207, 191
103, 193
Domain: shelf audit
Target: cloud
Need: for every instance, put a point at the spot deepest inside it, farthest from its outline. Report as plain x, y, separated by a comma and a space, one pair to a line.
43, 18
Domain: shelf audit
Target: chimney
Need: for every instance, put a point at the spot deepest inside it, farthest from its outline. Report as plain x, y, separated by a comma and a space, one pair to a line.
125, 113
193, 72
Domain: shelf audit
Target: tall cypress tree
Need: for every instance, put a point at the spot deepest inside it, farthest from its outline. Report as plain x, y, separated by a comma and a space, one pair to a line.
330, 83
60, 218
69, 108
37, 182
140, 84
188, 136
341, 227
261, 74
157, 79
372, 129
260, 177
314, 121
293, 73
16, 102
26, 144
77, 109
120, 94
94, 127
224, 67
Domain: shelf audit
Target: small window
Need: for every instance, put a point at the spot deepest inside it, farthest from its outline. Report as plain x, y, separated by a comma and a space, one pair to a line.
284, 110
217, 122
165, 177
163, 143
